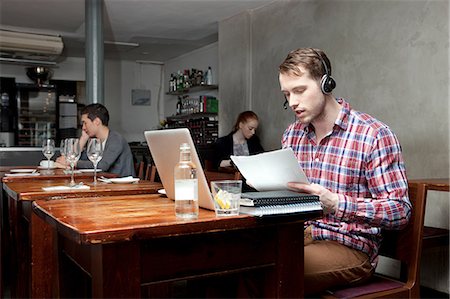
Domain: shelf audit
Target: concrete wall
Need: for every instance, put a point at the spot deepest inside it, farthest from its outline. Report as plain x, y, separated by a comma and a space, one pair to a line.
389, 58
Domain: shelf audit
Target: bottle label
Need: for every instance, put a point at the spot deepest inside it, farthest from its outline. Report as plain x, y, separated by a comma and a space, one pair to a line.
186, 189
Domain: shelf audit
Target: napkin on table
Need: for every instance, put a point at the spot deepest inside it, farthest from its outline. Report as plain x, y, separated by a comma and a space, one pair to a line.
62, 188
22, 174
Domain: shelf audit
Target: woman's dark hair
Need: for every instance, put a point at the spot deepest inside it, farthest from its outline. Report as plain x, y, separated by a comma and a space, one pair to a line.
96, 110
243, 117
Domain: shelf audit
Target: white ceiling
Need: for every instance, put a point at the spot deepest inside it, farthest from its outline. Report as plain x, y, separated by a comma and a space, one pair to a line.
163, 28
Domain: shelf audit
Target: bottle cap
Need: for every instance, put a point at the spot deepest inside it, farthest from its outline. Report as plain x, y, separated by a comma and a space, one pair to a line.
185, 147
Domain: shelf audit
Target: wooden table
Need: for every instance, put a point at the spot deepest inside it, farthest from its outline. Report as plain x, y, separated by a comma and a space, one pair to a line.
52, 174
31, 240
5, 274
131, 246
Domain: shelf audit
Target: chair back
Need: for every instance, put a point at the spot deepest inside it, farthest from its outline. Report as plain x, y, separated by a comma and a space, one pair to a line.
403, 245
406, 245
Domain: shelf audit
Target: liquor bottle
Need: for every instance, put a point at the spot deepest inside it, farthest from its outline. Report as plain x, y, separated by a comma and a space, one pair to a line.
208, 76
186, 185
179, 106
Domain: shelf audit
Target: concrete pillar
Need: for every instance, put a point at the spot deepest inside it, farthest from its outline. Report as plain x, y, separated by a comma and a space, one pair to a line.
94, 51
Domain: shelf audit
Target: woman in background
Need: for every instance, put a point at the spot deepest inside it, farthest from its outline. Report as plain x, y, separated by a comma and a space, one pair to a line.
242, 141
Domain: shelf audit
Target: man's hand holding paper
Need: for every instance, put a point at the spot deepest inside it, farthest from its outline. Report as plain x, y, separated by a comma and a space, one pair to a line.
270, 170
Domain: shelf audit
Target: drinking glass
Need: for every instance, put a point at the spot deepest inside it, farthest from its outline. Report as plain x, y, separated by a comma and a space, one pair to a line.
95, 154
48, 149
72, 151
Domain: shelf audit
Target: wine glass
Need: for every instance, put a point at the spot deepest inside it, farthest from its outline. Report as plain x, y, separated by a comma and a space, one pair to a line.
95, 154
72, 151
48, 149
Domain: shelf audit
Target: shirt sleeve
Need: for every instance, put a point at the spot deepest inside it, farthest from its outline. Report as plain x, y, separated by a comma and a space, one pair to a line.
389, 206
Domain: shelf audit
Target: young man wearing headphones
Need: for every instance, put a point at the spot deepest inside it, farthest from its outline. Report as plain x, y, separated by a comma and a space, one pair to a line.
354, 164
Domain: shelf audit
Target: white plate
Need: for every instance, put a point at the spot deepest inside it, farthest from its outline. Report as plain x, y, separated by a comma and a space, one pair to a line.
125, 180
22, 174
23, 170
45, 167
162, 191
88, 170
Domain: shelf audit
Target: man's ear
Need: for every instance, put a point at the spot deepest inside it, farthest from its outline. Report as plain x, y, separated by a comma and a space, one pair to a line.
97, 121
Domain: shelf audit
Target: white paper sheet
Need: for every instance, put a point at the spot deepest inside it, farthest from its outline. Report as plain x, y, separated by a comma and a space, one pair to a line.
270, 170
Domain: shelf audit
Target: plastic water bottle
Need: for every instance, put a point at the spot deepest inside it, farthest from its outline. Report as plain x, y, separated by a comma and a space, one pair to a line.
186, 185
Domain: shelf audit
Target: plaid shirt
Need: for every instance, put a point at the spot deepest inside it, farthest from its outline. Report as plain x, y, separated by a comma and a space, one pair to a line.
361, 161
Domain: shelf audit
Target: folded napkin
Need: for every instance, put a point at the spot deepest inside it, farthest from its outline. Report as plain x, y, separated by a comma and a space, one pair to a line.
62, 188
68, 171
126, 180
23, 174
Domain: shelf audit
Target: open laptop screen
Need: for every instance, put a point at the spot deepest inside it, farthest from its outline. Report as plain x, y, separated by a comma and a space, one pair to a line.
164, 147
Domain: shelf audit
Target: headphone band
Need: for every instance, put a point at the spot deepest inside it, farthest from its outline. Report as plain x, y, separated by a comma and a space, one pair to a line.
322, 61
327, 83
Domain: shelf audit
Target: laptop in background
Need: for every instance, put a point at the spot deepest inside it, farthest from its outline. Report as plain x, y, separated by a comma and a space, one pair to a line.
164, 147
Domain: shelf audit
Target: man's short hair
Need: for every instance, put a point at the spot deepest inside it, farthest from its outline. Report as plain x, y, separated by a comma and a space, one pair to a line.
307, 58
96, 110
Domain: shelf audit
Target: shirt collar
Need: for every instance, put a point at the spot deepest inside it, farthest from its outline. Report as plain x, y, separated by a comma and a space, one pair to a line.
344, 114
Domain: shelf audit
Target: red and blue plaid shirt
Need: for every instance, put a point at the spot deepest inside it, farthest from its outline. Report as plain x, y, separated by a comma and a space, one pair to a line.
361, 161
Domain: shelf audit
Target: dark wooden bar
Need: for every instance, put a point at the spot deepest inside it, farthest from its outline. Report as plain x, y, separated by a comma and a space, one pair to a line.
134, 246
30, 241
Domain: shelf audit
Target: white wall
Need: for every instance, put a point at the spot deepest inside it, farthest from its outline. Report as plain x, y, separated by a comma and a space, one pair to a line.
389, 58
120, 78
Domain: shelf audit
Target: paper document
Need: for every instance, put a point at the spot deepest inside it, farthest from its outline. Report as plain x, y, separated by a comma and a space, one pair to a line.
271, 170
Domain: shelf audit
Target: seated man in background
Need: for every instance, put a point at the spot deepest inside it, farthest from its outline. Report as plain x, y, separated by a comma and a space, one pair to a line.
355, 165
117, 157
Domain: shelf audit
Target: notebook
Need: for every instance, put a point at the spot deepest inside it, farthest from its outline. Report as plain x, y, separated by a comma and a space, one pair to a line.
164, 147
280, 202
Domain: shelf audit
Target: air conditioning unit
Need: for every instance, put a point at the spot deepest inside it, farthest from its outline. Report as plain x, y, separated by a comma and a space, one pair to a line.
20, 45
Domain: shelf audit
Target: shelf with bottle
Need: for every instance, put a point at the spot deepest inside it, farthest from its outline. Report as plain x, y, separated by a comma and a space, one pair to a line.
191, 81
202, 104
193, 89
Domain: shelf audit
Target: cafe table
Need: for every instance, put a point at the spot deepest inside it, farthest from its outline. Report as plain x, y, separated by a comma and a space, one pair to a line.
42, 174
31, 241
134, 246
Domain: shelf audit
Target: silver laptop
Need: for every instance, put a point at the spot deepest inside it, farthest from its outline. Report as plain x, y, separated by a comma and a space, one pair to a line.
164, 147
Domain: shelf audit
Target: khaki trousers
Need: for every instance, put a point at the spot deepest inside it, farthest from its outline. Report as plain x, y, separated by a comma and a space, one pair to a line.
329, 264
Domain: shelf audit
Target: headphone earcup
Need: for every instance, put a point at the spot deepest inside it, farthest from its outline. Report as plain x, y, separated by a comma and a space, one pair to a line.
327, 84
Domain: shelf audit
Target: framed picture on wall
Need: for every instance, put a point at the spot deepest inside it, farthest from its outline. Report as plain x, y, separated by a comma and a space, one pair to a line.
141, 97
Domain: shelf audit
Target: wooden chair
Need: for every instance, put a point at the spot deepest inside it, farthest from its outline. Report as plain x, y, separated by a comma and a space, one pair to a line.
219, 176
139, 169
405, 246
150, 173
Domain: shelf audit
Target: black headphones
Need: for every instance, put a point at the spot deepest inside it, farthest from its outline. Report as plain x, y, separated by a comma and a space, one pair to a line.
327, 83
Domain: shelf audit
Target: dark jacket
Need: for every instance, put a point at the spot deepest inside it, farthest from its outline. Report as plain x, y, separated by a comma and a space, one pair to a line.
223, 148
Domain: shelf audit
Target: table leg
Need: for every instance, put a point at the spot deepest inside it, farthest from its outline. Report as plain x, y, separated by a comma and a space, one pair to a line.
116, 270
290, 261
